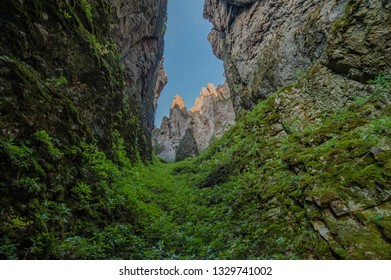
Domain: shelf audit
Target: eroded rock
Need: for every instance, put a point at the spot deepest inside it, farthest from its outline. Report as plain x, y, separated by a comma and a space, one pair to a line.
185, 132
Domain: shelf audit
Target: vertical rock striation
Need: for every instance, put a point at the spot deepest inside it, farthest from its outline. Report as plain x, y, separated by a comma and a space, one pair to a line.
139, 31
186, 132
212, 114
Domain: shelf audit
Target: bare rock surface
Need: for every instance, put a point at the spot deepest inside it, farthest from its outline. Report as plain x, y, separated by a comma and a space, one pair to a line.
186, 132
267, 44
139, 37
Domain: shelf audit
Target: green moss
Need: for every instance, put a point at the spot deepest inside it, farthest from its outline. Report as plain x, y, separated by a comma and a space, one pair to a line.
344, 20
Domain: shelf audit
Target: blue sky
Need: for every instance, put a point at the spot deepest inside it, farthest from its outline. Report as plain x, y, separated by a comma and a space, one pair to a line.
188, 58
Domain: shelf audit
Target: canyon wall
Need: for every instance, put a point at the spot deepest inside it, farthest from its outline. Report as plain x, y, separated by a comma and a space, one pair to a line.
78, 82
138, 33
97, 63
268, 44
314, 156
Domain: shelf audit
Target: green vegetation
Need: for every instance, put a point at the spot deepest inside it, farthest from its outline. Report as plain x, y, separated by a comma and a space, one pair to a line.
77, 180
260, 192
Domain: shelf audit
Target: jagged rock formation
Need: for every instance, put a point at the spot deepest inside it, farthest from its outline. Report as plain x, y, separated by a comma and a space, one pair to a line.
212, 114
185, 132
166, 140
268, 44
161, 82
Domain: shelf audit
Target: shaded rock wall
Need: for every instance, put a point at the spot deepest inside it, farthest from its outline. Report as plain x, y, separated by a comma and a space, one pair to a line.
138, 33
79, 68
77, 84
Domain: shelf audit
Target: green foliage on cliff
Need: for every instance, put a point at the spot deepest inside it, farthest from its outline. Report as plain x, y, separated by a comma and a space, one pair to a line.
310, 191
67, 127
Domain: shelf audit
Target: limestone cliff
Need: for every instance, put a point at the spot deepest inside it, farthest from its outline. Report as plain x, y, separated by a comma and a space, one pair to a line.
212, 114
64, 65
186, 132
166, 140
268, 44
138, 34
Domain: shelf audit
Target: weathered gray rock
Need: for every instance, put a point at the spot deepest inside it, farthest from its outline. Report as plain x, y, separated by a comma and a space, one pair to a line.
139, 38
360, 42
187, 146
267, 44
241, 2
212, 114
185, 132
160, 83
166, 140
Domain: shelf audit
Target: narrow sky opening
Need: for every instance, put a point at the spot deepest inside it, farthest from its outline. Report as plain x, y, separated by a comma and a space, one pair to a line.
188, 58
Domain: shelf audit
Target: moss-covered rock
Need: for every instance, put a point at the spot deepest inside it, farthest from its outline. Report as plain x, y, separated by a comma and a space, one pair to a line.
64, 107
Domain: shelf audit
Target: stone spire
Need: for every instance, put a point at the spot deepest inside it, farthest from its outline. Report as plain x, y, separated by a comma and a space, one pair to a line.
185, 133
178, 102
205, 92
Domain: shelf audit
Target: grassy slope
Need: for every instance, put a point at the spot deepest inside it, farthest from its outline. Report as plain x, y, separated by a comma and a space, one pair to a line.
275, 188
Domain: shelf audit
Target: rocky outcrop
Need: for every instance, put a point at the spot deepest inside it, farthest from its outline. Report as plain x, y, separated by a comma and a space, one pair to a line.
268, 44
166, 140
160, 83
186, 132
357, 51
212, 114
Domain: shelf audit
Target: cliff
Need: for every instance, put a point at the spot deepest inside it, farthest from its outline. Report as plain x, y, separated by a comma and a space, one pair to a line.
186, 132
78, 78
268, 44
306, 172
138, 33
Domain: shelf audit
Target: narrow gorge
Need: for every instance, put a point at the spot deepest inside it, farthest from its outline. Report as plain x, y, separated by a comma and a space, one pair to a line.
289, 159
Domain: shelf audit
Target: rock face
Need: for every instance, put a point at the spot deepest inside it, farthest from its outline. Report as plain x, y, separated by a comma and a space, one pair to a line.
212, 114
314, 130
77, 86
166, 140
268, 44
186, 132
160, 83
83, 51
138, 33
